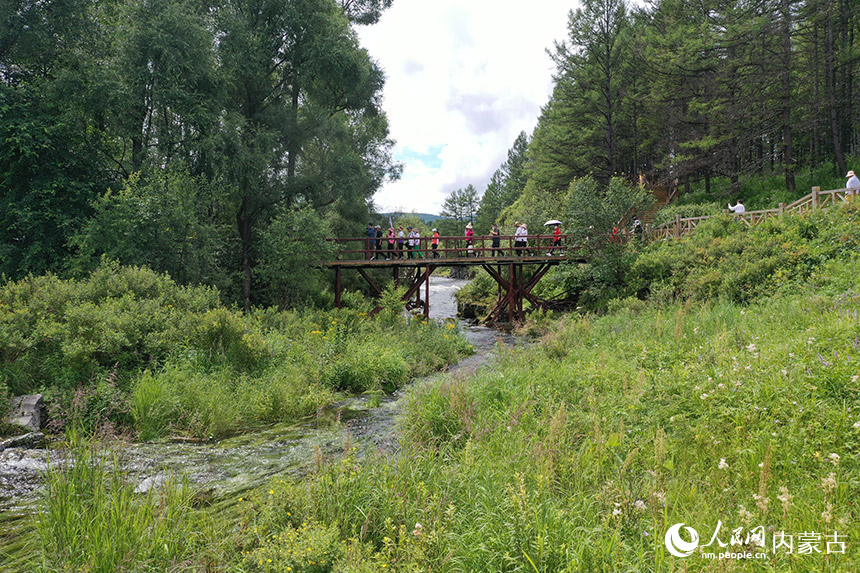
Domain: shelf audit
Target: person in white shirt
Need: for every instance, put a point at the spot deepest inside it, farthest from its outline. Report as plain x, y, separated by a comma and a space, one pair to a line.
521, 239
853, 183
738, 208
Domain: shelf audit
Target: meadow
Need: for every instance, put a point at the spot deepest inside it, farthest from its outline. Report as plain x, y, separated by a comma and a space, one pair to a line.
732, 410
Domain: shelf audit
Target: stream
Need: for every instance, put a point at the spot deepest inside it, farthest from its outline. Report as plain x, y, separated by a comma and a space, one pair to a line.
235, 464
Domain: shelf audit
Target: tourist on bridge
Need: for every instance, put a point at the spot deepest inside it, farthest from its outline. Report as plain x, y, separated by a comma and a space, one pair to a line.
435, 243
379, 252
738, 209
470, 247
410, 242
401, 239
416, 243
556, 239
391, 241
371, 240
495, 235
521, 238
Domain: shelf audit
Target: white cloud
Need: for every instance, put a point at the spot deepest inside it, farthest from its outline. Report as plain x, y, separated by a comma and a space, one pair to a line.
463, 80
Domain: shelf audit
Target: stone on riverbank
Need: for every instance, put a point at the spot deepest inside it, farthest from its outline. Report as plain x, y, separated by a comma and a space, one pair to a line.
28, 411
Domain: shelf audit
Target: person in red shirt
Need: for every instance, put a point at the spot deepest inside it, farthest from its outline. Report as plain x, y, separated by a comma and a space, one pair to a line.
556, 240
434, 244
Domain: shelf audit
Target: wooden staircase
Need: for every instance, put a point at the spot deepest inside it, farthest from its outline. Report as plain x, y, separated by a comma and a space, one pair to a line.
662, 197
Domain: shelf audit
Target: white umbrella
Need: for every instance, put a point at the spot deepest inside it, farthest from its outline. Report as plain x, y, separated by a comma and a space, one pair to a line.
552, 222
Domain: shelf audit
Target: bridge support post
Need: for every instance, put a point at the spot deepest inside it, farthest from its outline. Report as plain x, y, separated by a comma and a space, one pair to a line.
516, 289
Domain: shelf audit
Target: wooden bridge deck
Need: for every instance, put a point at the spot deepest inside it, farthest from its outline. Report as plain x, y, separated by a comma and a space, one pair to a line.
362, 254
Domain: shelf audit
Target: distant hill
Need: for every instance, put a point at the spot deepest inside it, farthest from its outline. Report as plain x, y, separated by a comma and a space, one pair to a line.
426, 217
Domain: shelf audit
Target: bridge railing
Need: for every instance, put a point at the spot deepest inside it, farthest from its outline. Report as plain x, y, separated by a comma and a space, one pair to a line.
451, 247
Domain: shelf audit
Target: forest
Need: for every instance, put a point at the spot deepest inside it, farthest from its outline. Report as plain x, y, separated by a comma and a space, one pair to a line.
216, 141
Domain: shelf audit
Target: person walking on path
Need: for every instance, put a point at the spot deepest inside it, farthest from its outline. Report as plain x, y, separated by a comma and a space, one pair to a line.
391, 241
853, 184
637, 228
556, 240
738, 209
495, 235
435, 243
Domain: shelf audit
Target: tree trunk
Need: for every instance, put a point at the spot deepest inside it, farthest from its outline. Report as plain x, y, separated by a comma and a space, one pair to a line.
787, 150
830, 64
244, 224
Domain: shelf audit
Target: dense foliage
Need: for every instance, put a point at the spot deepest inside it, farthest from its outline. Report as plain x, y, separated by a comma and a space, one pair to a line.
172, 133
129, 350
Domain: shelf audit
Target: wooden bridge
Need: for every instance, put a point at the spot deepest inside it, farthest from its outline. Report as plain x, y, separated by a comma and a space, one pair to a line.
412, 265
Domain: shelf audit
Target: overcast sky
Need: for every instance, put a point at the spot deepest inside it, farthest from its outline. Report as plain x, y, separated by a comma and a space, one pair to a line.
463, 79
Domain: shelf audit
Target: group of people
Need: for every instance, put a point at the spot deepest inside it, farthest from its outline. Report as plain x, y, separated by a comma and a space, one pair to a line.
402, 244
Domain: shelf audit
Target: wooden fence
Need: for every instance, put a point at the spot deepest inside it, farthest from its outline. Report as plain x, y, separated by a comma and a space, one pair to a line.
815, 200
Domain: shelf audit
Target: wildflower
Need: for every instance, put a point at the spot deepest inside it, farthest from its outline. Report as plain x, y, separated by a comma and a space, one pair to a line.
855, 378
784, 497
857, 424
810, 340
745, 515
826, 515
661, 496
752, 347
784, 372
834, 459
640, 505
721, 386
616, 511
418, 530
761, 501
828, 484
703, 396
723, 465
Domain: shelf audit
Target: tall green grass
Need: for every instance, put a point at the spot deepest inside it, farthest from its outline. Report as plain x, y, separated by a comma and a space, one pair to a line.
578, 453
92, 520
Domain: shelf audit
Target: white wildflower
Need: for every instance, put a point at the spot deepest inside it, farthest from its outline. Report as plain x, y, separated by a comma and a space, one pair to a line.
723, 465
761, 501
857, 424
703, 396
640, 505
752, 347
745, 515
828, 484
834, 459
826, 515
784, 497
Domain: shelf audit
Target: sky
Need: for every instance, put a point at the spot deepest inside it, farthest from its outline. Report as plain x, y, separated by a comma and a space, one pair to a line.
463, 79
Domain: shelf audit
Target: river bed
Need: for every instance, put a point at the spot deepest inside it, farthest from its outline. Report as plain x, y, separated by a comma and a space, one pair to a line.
235, 464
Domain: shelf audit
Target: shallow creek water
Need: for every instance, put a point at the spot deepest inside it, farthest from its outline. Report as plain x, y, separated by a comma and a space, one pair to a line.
238, 463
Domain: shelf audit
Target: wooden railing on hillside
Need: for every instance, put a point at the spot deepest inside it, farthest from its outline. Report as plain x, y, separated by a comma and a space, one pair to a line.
817, 199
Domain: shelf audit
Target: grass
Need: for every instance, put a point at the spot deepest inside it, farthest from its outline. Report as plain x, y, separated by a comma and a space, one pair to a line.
579, 453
